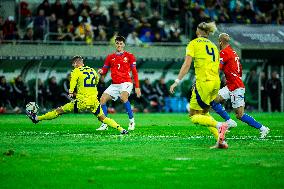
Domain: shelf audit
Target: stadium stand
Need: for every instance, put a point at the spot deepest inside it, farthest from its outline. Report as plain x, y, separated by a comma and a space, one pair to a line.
40, 36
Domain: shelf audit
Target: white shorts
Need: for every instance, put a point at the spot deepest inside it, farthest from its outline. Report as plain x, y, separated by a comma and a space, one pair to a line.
237, 96
114, 90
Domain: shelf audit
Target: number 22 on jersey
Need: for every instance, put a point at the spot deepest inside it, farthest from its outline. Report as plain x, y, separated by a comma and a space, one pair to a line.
89, 80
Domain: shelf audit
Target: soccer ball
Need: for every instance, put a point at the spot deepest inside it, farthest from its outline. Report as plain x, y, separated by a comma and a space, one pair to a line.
32, 107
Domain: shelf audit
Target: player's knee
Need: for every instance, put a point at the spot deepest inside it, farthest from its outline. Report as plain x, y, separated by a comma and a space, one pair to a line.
193, 118
124, 99
239, 115
103, 100
101, 118
59, 110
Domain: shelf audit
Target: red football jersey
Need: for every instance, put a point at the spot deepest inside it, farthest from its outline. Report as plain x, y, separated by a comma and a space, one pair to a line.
120, 65
232, 68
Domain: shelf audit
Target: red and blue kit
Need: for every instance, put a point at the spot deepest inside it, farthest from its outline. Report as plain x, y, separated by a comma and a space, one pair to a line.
120, 65
232, 68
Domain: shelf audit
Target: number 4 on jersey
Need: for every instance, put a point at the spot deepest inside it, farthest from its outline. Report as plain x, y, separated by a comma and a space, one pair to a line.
212, 53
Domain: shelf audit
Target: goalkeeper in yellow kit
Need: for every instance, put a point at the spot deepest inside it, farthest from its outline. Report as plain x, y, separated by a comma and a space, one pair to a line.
86, 79
205, 55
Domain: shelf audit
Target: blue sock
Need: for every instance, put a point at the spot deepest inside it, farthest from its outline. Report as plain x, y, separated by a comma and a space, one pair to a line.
219, 109
250, 121
104, 107
127, 107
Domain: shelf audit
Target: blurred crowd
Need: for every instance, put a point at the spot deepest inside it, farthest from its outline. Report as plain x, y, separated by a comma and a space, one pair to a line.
141, 22
16, 94
155, 95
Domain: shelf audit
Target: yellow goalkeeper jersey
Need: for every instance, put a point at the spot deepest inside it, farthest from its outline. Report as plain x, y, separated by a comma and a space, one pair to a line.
205, 55
86, 80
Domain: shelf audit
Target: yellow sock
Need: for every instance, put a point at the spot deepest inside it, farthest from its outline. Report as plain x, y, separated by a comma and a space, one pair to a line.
112, 123
49, 115
213, 130
204, 120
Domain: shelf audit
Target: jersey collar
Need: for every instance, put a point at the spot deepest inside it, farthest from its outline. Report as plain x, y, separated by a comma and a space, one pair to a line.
119, 53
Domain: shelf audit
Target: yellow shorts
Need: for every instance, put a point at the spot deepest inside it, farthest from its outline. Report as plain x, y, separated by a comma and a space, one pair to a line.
204, 93
90, 103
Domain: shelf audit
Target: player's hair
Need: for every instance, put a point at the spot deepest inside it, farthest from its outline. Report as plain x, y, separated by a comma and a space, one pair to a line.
224, 38
207, 28
76, 57
120, 38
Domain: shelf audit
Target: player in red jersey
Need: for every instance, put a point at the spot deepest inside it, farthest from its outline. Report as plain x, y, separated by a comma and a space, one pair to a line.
235, 89
120, 64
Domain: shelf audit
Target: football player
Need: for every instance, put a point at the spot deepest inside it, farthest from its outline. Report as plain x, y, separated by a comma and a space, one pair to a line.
120, 64
235, 88
86, 79
205, 55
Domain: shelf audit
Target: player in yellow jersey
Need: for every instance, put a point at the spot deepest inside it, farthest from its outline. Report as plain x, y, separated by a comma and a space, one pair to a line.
85, 79
205, 55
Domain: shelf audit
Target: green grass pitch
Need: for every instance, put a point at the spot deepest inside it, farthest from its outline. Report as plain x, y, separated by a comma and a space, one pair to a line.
165, 151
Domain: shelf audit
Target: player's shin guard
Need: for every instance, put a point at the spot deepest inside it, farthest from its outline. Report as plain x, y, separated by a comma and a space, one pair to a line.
204, 120
104, 107
219, 109
128, 109
113, 124
250, 121
49, 115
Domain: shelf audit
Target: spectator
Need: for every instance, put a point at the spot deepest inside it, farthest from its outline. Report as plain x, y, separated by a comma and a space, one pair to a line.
161, 30
274, 89
65, 85
62, 34
210, 9
82, 30
157, 38
25, 14
142, 11
224, 16
263, 89
253, 84
143, 27
29, 35
280, 14
40, 25
71, 18
128, 5
162, 89
57, 9
84, 6
147, 37
175, 37
46, 7
127, 26
52, 23
10, 30
103, 10
20, 92
6, 92
133, 40
66, 9
174, 33
248, 14
1, 29
41, 94
98, 21
150, 95
53, 92
173, 9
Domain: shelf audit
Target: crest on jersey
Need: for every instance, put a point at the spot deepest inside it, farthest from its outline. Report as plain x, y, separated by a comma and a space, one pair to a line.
125, 59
